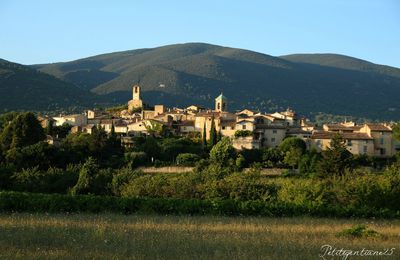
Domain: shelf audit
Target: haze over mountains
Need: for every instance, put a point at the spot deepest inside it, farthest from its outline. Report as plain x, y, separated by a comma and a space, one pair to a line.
195, 73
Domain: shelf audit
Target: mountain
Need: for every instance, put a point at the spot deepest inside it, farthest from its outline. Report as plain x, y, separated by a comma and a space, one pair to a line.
183, 74
24, 88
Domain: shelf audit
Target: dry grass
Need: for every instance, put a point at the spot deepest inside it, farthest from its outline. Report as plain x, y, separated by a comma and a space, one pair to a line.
111, 236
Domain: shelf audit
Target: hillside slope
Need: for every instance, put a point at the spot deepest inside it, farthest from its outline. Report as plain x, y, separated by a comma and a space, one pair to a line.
183, 74
23, 88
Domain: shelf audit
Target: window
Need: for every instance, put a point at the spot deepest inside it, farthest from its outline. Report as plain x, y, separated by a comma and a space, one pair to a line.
365, 150
243, 127
223, 128
383, 151
274, 131
349, 143
382, 141
272, 140
218, 106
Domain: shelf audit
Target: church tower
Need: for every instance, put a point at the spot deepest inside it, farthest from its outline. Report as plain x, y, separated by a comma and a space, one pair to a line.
136, 92
221, 103
136, 101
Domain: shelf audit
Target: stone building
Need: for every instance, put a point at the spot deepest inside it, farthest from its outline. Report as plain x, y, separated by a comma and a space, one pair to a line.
136, 101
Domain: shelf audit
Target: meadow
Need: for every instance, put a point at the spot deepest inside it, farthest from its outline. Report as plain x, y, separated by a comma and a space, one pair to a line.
117, 236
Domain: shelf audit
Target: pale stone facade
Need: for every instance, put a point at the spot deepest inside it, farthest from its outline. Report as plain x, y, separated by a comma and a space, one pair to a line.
136, 101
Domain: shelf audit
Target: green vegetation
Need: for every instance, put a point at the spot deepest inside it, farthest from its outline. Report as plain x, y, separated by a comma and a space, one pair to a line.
24, 88
243, 133
360, 230
223, 181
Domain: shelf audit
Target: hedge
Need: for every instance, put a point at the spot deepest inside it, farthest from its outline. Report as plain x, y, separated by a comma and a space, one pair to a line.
57, 203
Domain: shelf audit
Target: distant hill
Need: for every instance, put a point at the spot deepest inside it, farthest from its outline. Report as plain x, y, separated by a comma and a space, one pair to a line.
182, 74
24, 88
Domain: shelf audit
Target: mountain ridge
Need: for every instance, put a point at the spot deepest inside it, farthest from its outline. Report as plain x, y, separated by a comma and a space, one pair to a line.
181, 74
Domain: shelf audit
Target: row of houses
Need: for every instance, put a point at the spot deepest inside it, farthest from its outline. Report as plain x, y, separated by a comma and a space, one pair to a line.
261, 130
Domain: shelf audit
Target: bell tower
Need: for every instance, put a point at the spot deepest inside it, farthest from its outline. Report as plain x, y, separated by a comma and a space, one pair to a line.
136, 92
136, 101
221, 103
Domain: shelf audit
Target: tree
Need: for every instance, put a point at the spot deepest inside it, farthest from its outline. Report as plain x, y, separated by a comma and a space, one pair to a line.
213, 133
7, 118
396, 131
336, 158
271, 157
292, 157
92, 180
292, 142
309, 162
222, 152
204, 139
23, 130
86, 176
187, 159
50, 128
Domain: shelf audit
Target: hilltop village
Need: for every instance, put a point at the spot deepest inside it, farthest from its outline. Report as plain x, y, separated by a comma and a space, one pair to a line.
248, 129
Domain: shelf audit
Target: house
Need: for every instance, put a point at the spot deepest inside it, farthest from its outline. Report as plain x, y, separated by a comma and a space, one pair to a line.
246, 142
73, 120
382, 136
356, 143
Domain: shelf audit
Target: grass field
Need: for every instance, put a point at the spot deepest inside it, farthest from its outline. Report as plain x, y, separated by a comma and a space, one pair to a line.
112, 236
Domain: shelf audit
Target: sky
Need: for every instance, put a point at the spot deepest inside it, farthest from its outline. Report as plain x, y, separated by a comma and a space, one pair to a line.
44, 31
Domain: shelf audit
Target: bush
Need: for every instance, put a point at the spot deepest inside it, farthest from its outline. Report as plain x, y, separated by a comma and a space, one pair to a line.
292, 143
359, 231
54, 180
187, 159
55, 203
136, 158
243, 133
222, 152
92, 180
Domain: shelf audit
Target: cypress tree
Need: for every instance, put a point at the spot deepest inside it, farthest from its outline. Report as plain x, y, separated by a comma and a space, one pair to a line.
204, 136
213, 132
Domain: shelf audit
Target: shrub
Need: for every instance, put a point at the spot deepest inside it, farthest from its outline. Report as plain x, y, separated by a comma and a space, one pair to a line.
187, 159
292, 143
359, 231
54, 180
222, 152
243, 133
92, 180
136, 158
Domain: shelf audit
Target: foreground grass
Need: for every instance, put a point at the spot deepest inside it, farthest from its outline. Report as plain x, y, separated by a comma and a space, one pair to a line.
111, 236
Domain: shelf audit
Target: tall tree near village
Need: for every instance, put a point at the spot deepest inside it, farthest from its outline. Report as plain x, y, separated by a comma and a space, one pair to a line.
204, 139
22, 131
213, 133
336, 159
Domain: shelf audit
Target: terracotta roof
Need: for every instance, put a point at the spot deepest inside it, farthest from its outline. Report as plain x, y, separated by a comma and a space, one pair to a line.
208, 114
297, 131
347, 136
267, 126
186, 123
244, 120
340, 127
379, 127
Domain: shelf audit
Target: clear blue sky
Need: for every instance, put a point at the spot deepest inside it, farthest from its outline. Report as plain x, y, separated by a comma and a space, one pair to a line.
41, 31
